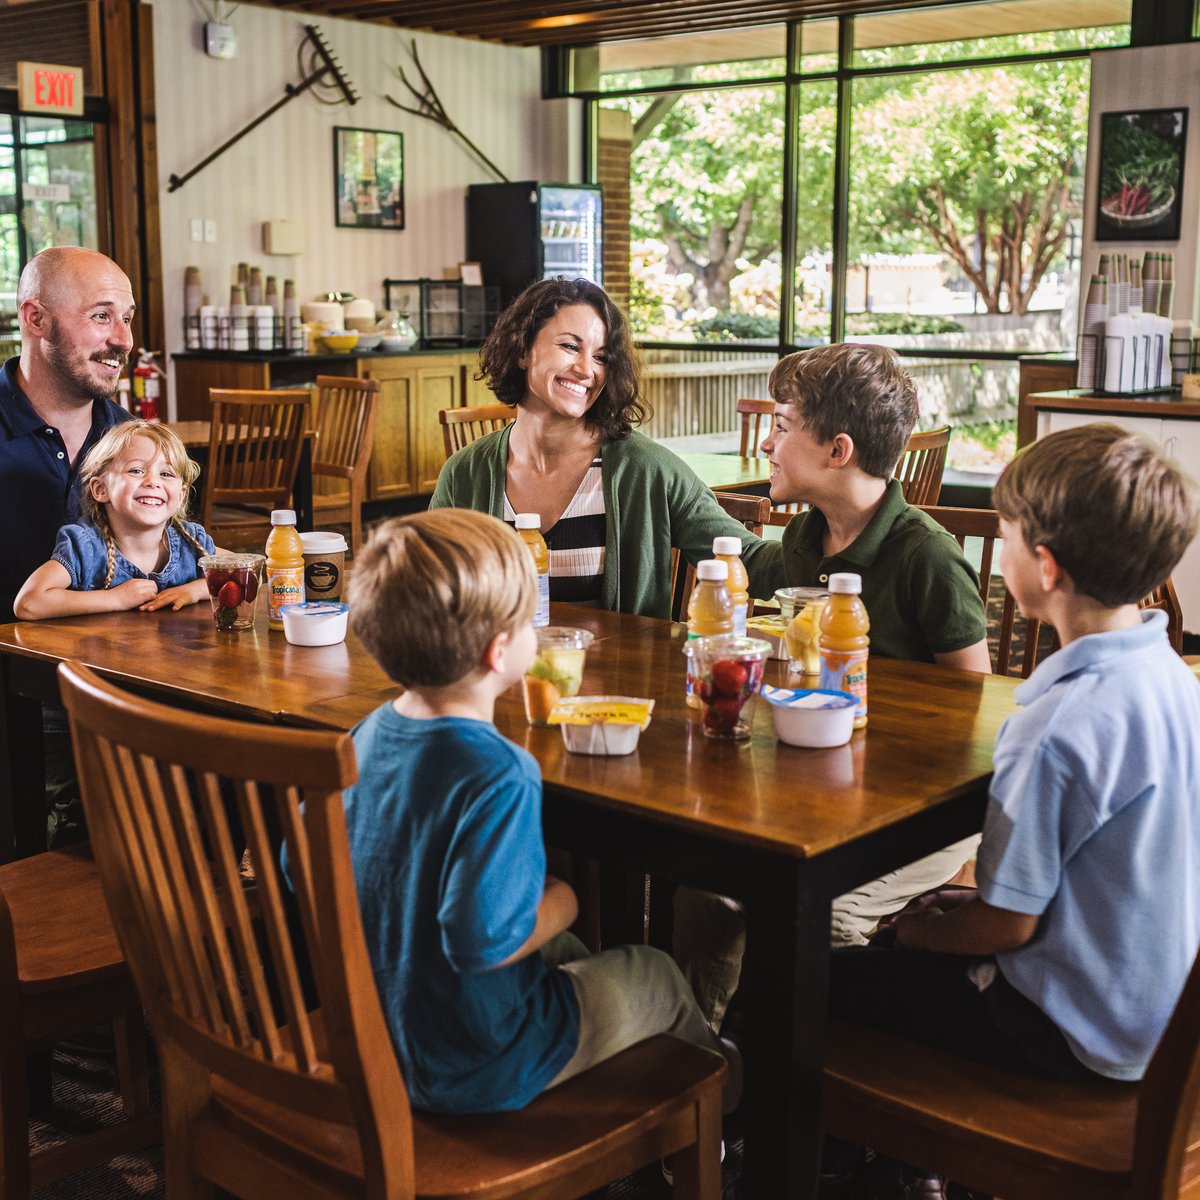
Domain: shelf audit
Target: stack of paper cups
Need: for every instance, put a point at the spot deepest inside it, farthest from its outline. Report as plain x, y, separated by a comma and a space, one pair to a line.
210, 333
192, 300
264, 321
1095, 311
224, 340
1151, 276
239, 318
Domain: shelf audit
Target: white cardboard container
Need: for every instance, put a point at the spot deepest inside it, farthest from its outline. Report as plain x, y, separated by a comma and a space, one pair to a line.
315, 623
813, 727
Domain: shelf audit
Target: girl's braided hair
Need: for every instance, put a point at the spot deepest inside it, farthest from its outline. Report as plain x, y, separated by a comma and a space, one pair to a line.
100, 460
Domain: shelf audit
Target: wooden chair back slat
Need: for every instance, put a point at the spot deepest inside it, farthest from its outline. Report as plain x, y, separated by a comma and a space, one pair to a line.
922, 465
461, 426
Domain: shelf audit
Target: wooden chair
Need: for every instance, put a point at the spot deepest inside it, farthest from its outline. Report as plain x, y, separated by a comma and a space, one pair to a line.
922, 465
61, 972
757, 418
984, 524
461, 426
1018, 1137
279, 1077
752, 511
345, 423
253, 452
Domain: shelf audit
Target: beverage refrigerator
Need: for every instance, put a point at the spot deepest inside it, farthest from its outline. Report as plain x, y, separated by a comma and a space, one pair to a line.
522, 232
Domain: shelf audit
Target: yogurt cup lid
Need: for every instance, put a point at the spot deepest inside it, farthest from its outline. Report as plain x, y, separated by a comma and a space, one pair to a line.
808, 697
315, 608
321, 542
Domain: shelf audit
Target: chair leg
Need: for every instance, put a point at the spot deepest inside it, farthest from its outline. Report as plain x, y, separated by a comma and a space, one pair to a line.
189, 1091
129, 1040
697, 1168
15, 1180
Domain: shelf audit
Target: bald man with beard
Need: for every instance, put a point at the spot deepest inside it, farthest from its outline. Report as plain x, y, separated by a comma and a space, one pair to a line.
75, 308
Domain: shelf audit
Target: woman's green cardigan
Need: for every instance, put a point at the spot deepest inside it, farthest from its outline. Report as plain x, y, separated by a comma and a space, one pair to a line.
652, 502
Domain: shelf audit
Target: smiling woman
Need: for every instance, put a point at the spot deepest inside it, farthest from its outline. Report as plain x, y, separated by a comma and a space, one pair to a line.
611, 503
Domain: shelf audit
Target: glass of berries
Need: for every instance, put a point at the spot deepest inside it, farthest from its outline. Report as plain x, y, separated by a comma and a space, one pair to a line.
728, 672
234, 581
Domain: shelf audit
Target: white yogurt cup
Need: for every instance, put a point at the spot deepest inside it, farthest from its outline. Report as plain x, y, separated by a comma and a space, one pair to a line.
315, 623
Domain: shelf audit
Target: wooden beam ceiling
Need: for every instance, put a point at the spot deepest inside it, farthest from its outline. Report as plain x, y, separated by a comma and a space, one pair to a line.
578, 22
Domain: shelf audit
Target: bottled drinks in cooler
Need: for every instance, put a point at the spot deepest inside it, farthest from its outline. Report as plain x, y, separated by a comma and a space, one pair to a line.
285, 565
729, 551
710, 609
529, 528
844, 641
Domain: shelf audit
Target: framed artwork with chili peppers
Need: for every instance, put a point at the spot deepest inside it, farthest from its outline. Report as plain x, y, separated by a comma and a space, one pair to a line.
1140, 196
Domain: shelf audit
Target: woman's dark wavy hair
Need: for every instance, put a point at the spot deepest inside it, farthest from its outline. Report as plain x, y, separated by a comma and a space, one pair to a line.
619, 407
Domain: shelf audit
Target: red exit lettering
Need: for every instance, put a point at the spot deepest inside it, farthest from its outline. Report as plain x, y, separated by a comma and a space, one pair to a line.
54, 87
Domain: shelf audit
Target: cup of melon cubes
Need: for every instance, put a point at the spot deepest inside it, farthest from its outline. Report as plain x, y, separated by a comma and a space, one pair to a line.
556, 671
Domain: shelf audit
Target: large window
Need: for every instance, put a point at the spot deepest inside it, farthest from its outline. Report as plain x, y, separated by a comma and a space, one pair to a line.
913, 178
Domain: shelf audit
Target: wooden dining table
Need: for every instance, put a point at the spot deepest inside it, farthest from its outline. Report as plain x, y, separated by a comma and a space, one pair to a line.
783, 829
729, 472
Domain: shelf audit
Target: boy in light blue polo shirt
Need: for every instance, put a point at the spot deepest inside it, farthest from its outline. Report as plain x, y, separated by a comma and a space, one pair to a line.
1068, 960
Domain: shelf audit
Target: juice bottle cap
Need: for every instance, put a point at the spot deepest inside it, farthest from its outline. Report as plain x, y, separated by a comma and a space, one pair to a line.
727, 545
713, 570
283, 516
529, 520
845, 583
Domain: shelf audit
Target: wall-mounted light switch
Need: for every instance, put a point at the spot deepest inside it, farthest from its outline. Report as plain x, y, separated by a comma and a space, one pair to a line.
197, 229
210, 230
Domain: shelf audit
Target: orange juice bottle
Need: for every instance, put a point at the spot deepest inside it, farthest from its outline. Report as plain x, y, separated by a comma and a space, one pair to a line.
285, 565
729, 551
529, 528
844, 641
710, 609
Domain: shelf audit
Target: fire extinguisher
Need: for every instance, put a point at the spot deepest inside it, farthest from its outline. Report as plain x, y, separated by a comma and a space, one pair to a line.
147, 386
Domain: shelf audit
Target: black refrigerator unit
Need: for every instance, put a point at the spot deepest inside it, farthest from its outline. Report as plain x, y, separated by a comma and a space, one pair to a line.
522, 232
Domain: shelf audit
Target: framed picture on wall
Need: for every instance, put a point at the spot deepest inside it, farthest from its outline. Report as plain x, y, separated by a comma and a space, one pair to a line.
368, 178
1140, 197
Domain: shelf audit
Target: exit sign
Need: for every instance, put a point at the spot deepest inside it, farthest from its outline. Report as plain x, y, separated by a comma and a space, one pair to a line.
47, 88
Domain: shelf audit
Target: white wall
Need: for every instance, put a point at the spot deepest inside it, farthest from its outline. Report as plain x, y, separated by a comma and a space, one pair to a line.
1149, 77
284, 168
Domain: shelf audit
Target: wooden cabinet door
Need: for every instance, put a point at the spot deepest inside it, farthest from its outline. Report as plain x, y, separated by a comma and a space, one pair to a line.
390, 473
438, 386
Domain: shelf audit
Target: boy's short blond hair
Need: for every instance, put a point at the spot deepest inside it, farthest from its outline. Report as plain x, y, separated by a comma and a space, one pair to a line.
1115, 513
856, 389
429, 592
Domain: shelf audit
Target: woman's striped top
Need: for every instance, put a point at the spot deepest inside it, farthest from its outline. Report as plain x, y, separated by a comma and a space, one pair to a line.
576, 542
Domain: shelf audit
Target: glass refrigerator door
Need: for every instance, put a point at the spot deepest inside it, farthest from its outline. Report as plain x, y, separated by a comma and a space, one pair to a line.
570, 232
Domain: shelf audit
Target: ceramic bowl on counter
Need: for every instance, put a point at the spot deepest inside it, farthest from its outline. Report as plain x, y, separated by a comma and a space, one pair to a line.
339, 341
369, 341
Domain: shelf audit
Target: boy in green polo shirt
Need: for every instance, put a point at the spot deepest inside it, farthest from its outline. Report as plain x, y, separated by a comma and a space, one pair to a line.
843, 416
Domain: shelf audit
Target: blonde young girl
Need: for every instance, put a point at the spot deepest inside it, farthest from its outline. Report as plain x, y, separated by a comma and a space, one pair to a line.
133, 547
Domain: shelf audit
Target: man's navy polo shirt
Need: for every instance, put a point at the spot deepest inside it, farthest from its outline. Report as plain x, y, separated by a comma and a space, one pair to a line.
37, 483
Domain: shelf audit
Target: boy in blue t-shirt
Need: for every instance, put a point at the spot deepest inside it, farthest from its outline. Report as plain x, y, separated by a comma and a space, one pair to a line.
1068, 960
488, 999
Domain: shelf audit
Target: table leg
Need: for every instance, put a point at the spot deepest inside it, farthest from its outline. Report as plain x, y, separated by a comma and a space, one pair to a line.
23, 779
785, 977
302, 490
